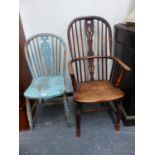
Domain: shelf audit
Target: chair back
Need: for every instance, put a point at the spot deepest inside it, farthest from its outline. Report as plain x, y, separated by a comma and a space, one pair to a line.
46, 55
90, 36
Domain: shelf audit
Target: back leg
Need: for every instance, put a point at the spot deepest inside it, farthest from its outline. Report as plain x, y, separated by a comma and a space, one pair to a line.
67, 110
78, 119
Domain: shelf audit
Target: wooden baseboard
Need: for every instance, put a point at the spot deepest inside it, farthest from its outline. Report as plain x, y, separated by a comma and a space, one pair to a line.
23, 122
128, 120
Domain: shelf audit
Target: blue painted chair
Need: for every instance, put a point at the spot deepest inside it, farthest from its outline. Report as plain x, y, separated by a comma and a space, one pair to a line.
46, 58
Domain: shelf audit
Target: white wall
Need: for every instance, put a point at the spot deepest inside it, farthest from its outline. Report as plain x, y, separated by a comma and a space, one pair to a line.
54, 15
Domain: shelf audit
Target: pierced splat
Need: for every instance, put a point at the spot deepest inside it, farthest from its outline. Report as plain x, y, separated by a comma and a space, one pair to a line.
46, 52
89, 31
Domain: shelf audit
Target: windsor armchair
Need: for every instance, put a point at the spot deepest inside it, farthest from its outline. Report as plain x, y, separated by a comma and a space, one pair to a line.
96, 75
46, 58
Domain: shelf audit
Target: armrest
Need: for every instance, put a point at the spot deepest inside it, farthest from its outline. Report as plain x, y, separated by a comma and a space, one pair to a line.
122, 64
118, 61
119, 77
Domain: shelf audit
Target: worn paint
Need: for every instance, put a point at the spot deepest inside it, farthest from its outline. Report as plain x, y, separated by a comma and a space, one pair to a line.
45, 87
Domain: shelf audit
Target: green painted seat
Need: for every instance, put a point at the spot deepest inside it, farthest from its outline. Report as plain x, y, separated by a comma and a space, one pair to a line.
45, 87
46, 58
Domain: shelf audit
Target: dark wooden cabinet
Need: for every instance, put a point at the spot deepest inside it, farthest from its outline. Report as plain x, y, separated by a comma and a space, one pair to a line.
125, 50
24, 80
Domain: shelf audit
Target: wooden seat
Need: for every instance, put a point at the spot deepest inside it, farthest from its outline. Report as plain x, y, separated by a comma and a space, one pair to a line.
97, 91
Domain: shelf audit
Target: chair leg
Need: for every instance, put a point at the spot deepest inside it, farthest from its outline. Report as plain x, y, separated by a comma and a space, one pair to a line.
67, 111
29, 114
78, 119
118, 115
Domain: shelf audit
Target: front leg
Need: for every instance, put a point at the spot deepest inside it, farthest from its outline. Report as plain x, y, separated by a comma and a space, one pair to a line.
29, 113
118, 115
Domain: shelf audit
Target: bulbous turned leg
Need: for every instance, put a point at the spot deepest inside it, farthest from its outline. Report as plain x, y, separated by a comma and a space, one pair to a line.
29, 114
78, 119
118, 115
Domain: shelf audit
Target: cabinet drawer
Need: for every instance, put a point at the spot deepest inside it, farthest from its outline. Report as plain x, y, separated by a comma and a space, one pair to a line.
125, 38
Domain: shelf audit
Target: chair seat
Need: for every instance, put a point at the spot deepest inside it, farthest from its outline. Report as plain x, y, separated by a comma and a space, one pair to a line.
96, 92
45, 87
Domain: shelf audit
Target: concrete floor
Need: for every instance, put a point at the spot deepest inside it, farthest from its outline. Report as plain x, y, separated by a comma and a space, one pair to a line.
51, 136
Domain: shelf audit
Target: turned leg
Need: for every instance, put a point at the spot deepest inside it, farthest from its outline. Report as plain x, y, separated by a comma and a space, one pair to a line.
67, 111
78, 119
118, 115
29, 114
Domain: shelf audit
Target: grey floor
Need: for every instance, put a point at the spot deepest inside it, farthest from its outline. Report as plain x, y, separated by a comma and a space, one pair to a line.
51, 136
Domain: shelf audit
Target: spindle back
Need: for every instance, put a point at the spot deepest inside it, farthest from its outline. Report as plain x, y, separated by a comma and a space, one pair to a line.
90, 36
46, 55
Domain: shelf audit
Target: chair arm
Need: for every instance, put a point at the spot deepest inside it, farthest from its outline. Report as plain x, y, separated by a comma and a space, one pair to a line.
119, 78
71, 72
118, 61
122, 64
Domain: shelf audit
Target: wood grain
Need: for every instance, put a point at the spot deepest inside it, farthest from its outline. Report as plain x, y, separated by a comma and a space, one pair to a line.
96, 92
